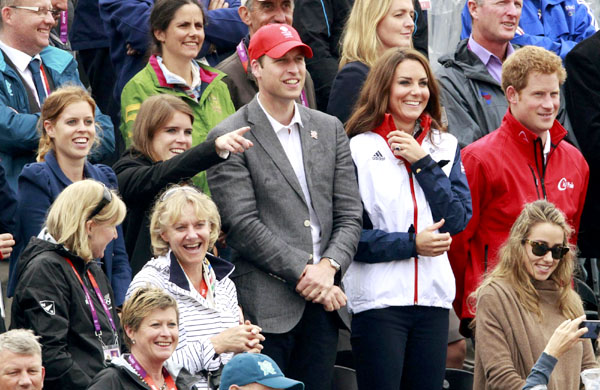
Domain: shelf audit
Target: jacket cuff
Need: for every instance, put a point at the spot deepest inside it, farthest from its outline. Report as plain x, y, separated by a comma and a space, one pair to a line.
425, 163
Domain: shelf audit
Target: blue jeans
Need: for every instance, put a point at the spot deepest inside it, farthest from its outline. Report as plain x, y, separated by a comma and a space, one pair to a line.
402, 347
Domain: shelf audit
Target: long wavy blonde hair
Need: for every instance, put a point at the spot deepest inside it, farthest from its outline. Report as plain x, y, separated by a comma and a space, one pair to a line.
359, 40
511, 266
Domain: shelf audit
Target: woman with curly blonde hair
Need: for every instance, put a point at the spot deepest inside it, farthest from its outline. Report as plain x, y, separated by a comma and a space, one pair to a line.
184, 226
525, 299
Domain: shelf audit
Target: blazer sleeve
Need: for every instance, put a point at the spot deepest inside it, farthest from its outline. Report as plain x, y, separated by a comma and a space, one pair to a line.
224, 29
346, 207
130, 18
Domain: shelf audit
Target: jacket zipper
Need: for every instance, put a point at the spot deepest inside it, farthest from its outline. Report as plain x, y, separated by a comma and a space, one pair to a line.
415, 218
543, 173
535, 181
485, 258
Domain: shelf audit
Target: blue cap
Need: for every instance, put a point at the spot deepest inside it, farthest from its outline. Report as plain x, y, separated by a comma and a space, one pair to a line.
247, 368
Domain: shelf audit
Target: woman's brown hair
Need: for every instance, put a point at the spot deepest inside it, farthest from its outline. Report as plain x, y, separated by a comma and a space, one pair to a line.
54, 105
154, 113
374, 97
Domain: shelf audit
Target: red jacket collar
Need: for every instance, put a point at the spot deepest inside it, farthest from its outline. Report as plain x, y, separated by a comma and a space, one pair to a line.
388, 125
526, 137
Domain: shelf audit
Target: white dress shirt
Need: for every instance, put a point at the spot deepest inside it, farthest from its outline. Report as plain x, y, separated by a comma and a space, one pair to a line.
289, 136
21, 61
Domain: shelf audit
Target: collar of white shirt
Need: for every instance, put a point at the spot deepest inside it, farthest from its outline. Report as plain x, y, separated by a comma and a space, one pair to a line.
547, 145
19, 58
275, 124
173, 78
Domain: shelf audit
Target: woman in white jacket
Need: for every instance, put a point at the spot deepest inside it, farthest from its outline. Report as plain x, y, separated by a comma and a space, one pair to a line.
400, 286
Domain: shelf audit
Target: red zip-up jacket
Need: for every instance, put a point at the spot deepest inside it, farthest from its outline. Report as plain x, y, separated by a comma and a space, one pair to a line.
506, 169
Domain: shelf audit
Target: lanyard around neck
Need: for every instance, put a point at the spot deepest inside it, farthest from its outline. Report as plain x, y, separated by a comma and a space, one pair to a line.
97, 327
169, 382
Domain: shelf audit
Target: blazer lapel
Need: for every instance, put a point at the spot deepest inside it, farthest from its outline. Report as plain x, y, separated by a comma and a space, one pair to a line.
312, 151
265, 135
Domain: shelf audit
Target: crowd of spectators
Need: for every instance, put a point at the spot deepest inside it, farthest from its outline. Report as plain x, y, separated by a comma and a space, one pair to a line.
205, 191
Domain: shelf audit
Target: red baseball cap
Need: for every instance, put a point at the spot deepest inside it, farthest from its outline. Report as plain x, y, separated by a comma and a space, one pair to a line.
275, 40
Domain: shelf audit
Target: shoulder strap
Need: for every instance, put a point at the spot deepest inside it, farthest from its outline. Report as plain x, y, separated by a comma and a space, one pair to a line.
34, 107
49, 77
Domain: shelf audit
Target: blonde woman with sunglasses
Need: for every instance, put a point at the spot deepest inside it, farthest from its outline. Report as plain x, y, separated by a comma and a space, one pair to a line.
524, 300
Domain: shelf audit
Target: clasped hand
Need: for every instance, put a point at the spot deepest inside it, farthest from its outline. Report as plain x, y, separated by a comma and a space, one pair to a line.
241, 338
316, 285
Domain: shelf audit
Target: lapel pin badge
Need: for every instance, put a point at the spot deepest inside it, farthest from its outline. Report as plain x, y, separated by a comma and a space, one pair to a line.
313, 134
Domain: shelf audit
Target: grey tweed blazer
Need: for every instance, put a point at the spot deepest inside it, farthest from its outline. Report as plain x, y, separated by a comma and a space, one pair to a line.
266, 217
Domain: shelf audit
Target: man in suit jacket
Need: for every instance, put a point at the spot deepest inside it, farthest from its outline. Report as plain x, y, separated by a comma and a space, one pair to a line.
291, 210
582, 93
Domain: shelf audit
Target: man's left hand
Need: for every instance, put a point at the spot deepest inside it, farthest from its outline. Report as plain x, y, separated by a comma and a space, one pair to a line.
316, 280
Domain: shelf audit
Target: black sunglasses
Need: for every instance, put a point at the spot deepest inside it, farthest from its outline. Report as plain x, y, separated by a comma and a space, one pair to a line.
106, 199
541, 248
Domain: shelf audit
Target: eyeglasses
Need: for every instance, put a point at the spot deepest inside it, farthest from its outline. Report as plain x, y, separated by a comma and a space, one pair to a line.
39, 11
167, 194
540, 249
106, 199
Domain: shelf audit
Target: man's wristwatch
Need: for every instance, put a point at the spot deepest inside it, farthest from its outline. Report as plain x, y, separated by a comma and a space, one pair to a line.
334, 264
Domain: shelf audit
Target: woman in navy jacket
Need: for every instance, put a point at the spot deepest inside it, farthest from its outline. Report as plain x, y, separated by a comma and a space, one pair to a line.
68, 132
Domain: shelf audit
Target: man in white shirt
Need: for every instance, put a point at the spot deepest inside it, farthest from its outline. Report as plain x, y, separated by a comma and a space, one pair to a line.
291, 211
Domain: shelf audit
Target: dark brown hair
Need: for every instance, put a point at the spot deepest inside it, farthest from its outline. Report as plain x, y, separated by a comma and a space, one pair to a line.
162, 15
374, 97
154, 113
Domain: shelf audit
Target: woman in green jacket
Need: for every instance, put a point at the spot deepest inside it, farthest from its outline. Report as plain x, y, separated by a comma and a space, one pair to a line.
178, 33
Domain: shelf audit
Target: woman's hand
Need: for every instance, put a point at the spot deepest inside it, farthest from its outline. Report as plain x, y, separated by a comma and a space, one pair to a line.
241, 338
433, 244
234, 141
565, 336
217, 4
405, 145
6, 245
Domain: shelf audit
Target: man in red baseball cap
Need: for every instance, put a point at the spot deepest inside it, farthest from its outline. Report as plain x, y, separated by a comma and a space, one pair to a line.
291, 210
239, 79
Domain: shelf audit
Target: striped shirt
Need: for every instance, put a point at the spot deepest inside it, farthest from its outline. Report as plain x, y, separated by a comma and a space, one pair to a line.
197, 321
